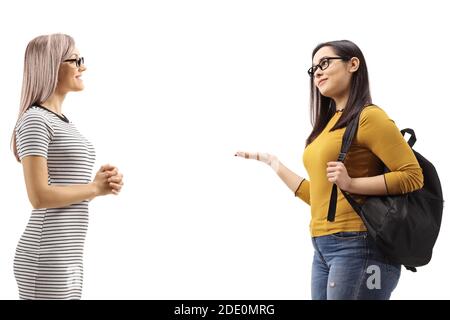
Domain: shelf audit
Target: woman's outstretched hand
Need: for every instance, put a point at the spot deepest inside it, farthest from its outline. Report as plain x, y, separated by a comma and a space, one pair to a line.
267, 158
290, 178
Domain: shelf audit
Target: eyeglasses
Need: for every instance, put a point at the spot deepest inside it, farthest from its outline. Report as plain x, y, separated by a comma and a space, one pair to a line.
323, 64
78, 62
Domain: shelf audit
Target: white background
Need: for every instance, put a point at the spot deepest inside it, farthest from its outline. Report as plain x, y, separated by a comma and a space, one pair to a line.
173, 89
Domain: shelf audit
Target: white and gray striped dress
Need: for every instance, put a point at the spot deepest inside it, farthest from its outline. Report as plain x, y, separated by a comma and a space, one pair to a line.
49, 257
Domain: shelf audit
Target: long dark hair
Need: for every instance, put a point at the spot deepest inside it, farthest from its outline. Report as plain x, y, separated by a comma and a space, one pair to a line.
323, 108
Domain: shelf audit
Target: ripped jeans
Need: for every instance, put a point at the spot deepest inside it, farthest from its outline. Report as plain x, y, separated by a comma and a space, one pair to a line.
348, 266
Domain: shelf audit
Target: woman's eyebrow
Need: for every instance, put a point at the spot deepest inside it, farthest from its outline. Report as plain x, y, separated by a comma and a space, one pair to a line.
322, 59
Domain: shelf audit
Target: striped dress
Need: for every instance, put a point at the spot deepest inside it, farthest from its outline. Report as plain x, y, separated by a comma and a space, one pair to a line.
49, 257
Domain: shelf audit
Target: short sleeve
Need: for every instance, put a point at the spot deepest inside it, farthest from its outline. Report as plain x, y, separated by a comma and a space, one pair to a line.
33, 135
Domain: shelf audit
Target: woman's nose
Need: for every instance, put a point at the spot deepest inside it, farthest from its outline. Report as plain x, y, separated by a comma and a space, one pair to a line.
318, 73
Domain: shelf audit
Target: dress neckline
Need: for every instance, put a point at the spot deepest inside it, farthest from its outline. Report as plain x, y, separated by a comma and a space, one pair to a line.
62, 117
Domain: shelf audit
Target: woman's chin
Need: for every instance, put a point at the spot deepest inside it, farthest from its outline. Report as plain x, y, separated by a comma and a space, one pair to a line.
78, 88
324, 93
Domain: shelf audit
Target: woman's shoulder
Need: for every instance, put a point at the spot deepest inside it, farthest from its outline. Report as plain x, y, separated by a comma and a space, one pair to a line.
373, 113
34, 115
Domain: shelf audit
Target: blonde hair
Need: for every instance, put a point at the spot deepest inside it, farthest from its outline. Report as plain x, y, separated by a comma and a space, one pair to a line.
43, 57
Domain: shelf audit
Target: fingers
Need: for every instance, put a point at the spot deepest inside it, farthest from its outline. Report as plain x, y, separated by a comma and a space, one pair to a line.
116, 183
107, 167
336, 171
112, 178
112, 173
117, 178
248, 155
332, 175
102, 177
241, 154
332, 171
115, 186
335, 166
104, 174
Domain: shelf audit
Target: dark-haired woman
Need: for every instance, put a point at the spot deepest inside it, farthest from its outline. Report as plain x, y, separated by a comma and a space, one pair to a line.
346, 263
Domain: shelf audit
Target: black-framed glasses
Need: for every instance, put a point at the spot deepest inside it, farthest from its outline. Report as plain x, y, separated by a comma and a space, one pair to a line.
323, 64
78, 62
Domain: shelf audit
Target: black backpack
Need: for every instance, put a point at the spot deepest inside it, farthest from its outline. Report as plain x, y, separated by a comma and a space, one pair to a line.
404, 227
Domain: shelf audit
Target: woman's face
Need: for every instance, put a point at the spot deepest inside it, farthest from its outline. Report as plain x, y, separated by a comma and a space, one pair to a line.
334, 81
69, 76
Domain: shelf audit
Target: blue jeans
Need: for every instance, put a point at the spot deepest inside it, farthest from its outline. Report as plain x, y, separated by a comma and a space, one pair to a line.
347, 265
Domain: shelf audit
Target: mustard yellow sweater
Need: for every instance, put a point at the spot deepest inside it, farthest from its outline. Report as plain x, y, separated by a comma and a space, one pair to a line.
378, 141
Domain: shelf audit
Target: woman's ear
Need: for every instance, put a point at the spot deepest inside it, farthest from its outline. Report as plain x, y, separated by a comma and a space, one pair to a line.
353, 64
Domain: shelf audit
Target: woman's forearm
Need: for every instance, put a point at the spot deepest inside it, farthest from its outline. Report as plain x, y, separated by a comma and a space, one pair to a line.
375, 185
62, 196
291, 179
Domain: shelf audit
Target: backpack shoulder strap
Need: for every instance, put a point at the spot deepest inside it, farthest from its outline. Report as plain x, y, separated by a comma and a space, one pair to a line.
347, 139
349, 134
412, 140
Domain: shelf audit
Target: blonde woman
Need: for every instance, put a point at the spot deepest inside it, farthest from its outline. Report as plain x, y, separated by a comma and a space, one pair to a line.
57, 164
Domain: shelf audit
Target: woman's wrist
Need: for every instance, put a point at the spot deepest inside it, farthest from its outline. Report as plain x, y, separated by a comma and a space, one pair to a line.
94, 190
274, 163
